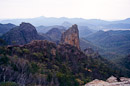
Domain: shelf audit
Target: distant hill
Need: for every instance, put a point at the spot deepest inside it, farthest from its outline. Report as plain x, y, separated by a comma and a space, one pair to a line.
114, 42
87, 44
117, 26
45, 29
84, 31
55, 34
5, 28
126, 21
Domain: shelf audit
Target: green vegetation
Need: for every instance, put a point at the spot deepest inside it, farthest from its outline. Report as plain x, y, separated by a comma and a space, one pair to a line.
114, 44
4, 60
67, 68
33, 68
26, 51
37, 54
2, 42
66, 80
8, 84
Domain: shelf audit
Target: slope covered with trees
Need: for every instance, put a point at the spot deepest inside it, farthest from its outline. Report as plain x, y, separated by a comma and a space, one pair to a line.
48, 64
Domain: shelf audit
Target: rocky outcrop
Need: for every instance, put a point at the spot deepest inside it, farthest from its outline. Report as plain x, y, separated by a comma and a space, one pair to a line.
112, 81
22, 34
71, 36
122, 79
97, 82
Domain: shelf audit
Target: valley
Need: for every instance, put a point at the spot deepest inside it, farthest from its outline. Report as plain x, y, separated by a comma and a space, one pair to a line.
62, 55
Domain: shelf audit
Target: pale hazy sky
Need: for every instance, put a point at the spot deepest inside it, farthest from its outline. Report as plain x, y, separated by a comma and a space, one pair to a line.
89, 9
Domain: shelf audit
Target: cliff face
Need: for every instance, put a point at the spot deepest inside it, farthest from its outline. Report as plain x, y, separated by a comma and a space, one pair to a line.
71, 36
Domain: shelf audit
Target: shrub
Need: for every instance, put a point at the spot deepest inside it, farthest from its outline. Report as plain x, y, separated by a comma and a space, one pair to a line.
18, 50
4, 60
33, 68
26, 51
66, 80
37, 54
49, 77
8, 84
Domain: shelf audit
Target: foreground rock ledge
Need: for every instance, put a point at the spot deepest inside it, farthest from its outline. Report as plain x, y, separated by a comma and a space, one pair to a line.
112, 81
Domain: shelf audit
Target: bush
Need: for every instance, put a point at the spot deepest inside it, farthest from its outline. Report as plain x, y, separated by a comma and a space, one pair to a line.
18, 50
4, 60
66, 80
8, 84
34, 68
49, 77
37, 54
2, 42
26, 51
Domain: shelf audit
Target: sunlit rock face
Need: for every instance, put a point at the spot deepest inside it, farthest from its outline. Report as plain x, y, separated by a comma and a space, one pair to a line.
71, 36
112, 81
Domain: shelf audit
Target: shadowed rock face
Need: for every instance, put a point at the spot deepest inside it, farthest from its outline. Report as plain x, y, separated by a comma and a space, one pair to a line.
71, 36
22, 34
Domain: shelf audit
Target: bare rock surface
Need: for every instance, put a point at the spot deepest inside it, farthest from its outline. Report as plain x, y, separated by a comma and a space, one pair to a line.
112, 79
123, 82
71, 36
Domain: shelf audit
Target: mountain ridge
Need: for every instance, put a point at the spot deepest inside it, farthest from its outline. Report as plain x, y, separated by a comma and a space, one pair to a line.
22, 34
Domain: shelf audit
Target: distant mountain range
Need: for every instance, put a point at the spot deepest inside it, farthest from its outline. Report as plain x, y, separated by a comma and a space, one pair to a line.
91, 23
108, 43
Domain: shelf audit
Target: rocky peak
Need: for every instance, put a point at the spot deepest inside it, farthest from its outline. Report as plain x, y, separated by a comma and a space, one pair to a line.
27, 26
112, 79
22, 34
71, 36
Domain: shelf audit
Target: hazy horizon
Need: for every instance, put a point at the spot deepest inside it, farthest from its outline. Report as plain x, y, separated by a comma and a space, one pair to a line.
87, 9
63, 17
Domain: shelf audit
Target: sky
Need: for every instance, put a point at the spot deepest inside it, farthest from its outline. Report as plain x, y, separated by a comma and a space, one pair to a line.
88, 9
